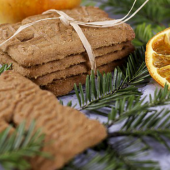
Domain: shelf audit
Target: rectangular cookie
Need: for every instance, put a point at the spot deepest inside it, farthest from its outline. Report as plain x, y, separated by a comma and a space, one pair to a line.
67, 131
41, 70
64, 86
82, 68
50, 40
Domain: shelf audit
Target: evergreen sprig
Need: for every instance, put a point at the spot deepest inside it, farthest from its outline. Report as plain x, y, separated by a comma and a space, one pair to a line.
152, 19
124, 148
141, 120
109, 88
144, 33
69, 104
132, 107
5, 67
17, 145
88, 3
123, 154
154, 12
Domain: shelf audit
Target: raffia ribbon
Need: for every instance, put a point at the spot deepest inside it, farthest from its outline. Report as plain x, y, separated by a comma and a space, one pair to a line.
67, 21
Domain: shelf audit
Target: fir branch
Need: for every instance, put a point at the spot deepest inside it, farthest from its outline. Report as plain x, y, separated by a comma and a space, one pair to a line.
144, 33
123, 154
155, 12
5, 67
110, 88
69, 104
135, 107
18, 145
141, 120
88, 3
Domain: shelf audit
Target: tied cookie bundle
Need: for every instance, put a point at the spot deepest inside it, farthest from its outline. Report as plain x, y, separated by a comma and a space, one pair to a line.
52, 55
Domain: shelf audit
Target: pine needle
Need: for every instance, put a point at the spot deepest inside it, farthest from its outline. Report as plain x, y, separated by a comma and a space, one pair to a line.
21, 144
109, 88
5, 67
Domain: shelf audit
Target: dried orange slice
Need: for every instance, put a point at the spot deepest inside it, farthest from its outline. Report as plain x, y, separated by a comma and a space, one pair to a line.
157, 57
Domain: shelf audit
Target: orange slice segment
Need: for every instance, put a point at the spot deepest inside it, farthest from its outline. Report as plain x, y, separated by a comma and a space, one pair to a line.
157, 57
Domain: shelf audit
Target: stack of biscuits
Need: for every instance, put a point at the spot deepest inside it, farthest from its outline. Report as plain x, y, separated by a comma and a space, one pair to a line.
52, 54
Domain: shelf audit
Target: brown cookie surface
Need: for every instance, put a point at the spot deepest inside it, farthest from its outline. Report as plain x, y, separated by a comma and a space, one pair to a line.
64, 86
50, 40
41, 70
70, 131
83, 68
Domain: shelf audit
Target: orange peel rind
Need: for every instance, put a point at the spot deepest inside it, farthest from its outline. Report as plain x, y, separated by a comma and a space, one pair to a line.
157, 57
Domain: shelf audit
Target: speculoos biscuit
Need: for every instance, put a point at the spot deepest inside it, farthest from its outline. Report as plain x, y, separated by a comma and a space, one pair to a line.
67, 131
